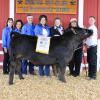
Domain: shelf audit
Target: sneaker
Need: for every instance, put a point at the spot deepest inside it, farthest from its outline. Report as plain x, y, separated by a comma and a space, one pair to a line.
6, 72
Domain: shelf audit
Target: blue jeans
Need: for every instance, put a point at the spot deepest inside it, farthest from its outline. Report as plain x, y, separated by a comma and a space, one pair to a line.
44, 70
24, 67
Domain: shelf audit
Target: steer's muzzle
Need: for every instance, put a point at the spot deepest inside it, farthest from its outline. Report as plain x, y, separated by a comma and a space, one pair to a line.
88, 32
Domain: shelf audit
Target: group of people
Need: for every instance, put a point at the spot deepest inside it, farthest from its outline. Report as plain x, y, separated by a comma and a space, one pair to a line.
42, 29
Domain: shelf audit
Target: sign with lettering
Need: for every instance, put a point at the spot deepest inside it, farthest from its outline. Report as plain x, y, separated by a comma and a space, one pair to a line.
43, 44
46, 6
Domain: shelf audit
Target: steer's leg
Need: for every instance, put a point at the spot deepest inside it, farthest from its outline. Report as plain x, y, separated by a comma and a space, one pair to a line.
19, 69
61, 73
11, 73
54, 69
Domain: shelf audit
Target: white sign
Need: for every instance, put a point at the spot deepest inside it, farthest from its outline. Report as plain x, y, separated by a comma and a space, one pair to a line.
43, 44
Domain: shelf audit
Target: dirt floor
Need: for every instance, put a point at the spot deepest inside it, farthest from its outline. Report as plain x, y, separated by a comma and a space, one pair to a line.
43, 88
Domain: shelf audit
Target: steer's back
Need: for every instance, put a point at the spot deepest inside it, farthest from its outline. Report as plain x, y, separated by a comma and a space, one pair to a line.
22, 45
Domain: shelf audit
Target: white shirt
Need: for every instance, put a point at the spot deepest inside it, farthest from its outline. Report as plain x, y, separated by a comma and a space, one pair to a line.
45, 33
60, 29
92, 40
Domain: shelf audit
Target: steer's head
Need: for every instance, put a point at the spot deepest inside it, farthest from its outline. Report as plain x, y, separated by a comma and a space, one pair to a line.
82, 33
78, 33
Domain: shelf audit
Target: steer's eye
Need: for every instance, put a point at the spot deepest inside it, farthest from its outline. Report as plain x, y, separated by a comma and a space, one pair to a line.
86, 30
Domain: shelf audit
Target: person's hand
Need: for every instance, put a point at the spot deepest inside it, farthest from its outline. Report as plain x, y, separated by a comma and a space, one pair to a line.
86, 46
5, 50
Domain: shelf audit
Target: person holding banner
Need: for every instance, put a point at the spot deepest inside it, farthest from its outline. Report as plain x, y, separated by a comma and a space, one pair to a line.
42, 29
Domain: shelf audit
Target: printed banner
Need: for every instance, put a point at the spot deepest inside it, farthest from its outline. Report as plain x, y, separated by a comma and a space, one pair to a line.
46, 6
43, 44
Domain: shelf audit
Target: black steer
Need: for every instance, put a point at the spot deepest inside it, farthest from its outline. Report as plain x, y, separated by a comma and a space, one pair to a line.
60, 53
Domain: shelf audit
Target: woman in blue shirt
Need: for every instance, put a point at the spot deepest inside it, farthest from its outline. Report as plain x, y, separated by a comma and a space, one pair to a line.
17, 28
5, 44
43, 30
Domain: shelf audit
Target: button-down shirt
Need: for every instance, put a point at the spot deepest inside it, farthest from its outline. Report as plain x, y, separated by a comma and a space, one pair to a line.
28, 29
60, 29
92, 40
6, 37
40, 30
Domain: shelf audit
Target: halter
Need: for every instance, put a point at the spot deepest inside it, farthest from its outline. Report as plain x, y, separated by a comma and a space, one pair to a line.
72, 29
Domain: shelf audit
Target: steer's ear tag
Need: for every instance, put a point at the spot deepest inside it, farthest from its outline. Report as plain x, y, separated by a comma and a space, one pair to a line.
43, 44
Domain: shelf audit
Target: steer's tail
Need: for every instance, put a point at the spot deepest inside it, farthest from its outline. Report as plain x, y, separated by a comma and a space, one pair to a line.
12, 51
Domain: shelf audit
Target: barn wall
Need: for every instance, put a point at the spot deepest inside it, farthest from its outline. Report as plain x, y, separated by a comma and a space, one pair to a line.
92, 8
98, 14
4, 14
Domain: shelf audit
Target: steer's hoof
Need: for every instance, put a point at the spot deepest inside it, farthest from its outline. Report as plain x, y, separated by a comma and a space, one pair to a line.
62, 79
21, 78
10, 83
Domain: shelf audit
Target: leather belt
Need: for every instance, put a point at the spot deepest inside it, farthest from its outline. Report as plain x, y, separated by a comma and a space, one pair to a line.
92, 46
